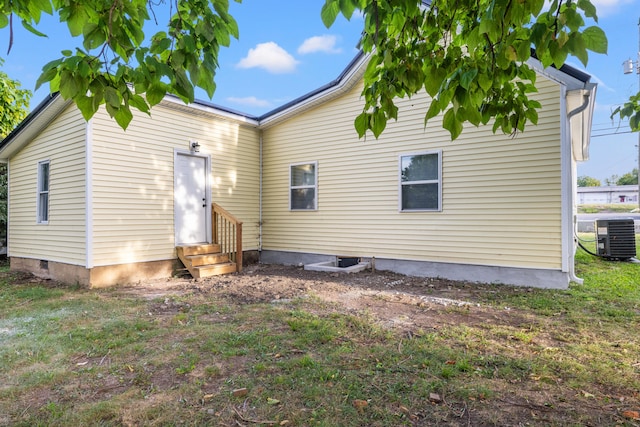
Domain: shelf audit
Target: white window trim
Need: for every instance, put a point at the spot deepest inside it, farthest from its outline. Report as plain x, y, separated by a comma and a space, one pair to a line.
431, 181
297, 187
39, 220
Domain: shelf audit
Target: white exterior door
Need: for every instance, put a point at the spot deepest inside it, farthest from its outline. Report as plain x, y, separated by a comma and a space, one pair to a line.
191, 204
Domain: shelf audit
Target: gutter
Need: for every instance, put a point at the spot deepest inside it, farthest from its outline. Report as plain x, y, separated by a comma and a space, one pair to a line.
586, 97
581, 108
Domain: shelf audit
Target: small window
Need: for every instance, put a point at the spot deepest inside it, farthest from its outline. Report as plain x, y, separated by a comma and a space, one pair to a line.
420, 182
42, 203
303, 179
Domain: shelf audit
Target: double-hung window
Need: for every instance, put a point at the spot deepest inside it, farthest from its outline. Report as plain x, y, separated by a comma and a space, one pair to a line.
303, 186
42, 202
421, 181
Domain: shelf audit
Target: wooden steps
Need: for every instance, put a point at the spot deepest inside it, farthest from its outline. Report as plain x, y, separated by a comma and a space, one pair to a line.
205, 260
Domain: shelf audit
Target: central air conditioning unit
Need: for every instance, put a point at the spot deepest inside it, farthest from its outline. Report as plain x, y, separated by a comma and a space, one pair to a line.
616, 238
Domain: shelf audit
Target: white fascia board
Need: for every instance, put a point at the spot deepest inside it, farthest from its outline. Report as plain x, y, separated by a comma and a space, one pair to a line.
178, 104
35, 125
556, 75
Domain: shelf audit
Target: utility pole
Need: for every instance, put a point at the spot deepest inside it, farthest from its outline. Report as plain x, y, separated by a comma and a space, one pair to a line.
628, 67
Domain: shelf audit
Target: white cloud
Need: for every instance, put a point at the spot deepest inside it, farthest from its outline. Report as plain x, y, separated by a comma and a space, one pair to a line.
326, 44
250, 101
270, 57
610, 7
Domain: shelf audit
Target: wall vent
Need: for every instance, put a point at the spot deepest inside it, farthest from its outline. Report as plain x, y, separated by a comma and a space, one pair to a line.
616, 238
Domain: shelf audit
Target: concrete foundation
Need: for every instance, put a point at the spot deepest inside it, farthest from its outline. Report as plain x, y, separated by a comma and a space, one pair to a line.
531, 277
108, 275
67, 273
97, 277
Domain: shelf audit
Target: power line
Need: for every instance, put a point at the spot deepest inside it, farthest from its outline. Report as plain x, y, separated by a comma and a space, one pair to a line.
612, 133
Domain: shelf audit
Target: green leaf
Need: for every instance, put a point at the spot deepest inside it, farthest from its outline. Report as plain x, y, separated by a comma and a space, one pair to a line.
69, 86
43, 5
329, 12
88, 106
577, 48
206, 82
467, 78
634, 122
139, 103
532, 116
160, 44
183, 86
558, 54
433, 111
94, 36
221, 35
155, 93
595, 40
4, 20
76, 21
451, 123
434, 76
573, 19
112, 97
472, 115
588, 8
123, 117
32, 30
378, 123
361, 124
47, 75
347, 7
485, 81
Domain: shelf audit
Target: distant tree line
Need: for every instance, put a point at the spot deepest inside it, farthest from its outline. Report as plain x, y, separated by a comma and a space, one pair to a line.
629, 178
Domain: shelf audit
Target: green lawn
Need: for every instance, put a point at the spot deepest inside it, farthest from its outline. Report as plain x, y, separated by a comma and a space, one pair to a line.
70, 356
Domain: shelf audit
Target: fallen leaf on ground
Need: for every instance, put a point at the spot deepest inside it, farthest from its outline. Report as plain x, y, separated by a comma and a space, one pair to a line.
634, 415
271, 401
240, 392
360, 404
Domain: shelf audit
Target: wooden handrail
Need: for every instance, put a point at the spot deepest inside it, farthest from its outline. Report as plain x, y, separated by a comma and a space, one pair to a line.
226, 231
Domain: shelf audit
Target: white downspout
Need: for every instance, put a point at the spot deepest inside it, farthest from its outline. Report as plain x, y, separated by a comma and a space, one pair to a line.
585, 103
260, 198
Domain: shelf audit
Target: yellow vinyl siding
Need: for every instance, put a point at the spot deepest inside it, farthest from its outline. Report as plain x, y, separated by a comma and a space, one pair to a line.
501, 197
133, 180
63, 238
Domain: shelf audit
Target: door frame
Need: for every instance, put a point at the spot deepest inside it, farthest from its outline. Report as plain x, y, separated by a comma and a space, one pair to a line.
207, 190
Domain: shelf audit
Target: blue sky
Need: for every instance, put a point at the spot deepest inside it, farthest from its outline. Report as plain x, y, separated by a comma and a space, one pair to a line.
285, 51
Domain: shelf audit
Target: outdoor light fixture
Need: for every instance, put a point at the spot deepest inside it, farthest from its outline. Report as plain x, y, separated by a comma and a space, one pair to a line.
194, 146
627, 68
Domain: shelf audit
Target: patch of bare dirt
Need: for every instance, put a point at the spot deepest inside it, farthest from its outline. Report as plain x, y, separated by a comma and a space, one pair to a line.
396, 300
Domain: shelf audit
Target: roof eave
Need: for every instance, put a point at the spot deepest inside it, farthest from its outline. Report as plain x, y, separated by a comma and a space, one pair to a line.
32, 125
345, 81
